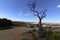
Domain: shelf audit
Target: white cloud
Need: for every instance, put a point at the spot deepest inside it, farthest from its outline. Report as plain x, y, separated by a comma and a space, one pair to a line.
58, 6
24, 14
21, 14
27, 14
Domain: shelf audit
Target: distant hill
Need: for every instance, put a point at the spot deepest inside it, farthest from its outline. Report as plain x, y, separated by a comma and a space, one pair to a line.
24, 24
19, 23
34, 24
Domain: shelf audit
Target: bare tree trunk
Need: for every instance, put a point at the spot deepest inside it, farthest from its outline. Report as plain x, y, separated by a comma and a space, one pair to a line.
42, 33
40, 24
40, 27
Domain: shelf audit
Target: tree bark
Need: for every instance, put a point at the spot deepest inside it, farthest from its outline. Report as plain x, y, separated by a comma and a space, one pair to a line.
40, 27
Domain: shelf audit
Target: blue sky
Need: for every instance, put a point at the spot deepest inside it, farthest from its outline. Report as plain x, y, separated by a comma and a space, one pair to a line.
18, 10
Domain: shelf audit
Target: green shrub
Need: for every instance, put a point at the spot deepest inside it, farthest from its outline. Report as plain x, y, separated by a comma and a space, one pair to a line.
34, 30
31, 31
54, 35
24, 39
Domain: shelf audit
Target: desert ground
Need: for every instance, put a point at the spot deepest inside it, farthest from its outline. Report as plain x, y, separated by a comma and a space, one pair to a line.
14, 33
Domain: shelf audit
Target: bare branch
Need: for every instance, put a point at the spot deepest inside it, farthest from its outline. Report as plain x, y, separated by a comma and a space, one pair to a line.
32, 5
36, 13
43, 14
40, 15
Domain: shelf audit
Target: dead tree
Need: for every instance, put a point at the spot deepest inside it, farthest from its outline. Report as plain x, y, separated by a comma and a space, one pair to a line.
39, 14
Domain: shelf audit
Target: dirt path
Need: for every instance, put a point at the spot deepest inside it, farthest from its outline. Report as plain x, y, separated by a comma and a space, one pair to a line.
13, 34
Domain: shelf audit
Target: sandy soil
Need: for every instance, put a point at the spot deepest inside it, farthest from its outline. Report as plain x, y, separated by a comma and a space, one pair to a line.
13, 34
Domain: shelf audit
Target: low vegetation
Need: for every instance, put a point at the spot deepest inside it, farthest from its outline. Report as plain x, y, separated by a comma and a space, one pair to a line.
51, 35
5, 24
55, 36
